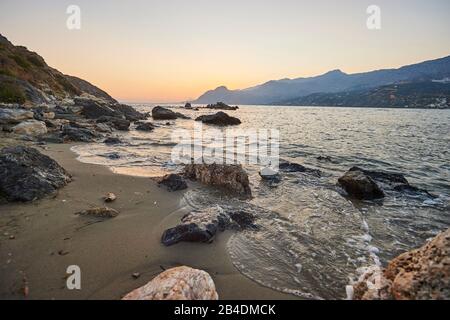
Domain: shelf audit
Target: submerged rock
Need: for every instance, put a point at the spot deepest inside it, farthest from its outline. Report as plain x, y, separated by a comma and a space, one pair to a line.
173, 182
219, 119
100, 212
160, 113
421, 274
292, 167
30, 128
181, 283
26, 174
145, 126
232, 178
360, 186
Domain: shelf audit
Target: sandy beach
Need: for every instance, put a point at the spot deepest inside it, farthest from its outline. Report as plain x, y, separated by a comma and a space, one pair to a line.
39, 240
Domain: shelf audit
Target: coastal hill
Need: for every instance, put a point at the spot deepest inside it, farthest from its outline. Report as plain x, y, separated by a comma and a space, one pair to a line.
289, 91
26, 77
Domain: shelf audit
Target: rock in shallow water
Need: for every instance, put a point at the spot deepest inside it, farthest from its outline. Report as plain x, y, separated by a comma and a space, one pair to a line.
360, 186
173, 182
26, 174
219, 119
160, 113
421, 274
181, 283
232, 178
202, 225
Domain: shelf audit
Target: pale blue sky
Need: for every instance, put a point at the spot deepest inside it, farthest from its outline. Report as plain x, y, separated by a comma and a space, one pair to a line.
170, 50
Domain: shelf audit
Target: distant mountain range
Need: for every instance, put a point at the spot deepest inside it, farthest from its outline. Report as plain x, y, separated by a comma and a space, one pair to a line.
26, 77
336, 88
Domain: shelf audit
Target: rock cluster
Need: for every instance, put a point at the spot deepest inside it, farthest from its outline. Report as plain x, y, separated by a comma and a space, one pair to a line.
221, 106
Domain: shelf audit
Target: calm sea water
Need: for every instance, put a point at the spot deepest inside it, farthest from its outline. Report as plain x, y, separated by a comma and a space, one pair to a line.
313, 241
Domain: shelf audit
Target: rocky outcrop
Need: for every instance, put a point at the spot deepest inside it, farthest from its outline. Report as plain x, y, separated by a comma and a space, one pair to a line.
100, 212
129, 112
26, 174
202, 225
219, 119
160, 113
14, 116
360, 186
181, 283
30, 128
173, 182
93, 109
221, 106
231, 178
421, 274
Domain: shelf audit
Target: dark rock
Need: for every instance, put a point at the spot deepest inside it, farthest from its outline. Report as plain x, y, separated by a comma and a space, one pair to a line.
26, 174
359, 185
120, 124
221, 106
78, 134
188, 105
324, 158
145, 126
112, 140
202, 225
219, 119
173, 182
393, 181
112, 155
196, 226
129, 112
93, 109
292, 167
232, 178
160, 113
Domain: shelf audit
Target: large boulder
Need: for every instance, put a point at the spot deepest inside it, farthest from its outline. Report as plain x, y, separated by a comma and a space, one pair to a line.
93, 109
26, 174
13, 116
232, 178
360, 186
173, 182
181, 283
129, 112
160, 113
221, 106
30, 128
219, 119
421, 274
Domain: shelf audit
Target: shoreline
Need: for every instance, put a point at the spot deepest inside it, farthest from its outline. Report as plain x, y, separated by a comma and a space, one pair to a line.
48, 237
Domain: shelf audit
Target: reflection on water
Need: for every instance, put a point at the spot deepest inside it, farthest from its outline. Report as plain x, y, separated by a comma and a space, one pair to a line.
312, 240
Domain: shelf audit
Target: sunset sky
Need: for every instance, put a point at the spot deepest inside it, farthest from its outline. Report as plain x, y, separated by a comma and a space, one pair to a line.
174, 50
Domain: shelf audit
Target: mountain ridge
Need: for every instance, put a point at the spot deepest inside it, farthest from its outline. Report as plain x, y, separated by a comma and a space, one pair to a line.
274, 91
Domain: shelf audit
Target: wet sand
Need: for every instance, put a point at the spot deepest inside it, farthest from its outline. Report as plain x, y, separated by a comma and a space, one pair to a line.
48, 237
